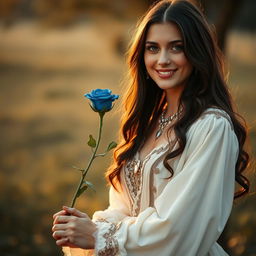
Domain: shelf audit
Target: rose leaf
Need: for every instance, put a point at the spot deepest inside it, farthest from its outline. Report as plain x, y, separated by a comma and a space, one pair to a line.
91, 142
111, 145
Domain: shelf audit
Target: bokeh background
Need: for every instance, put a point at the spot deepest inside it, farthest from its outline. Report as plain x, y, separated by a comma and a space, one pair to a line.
51, 53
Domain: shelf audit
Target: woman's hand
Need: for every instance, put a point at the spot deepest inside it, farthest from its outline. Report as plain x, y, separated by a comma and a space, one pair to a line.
73, 228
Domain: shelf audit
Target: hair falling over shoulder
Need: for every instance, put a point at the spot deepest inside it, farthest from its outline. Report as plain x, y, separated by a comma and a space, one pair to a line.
144, 100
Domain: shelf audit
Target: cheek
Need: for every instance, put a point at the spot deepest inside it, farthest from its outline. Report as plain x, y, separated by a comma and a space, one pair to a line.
182, 62
148, 60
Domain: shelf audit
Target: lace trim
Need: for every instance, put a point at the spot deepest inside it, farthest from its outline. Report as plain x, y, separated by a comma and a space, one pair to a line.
134, 179
218, 114
111, 247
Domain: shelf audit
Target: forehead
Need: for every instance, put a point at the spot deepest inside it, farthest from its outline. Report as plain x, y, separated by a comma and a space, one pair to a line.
163, 32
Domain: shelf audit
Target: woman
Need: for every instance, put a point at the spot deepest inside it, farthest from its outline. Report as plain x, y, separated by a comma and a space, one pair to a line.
173, 177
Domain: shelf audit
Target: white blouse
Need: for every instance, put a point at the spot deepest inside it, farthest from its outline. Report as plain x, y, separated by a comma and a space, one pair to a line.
180, 216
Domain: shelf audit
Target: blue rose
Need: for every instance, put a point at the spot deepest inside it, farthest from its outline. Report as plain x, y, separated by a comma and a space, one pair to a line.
101, 99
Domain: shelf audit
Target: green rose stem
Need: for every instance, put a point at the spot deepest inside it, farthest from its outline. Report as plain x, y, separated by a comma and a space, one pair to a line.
84, 171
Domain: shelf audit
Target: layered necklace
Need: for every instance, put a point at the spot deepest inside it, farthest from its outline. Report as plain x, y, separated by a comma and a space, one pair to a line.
163, 122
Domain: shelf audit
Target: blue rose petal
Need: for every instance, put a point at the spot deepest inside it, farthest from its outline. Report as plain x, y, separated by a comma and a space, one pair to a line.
101, 99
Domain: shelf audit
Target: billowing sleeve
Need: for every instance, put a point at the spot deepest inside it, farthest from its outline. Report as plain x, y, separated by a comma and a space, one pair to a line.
191, 211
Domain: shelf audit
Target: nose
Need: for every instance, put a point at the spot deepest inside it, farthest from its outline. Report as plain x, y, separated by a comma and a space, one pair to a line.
164, 58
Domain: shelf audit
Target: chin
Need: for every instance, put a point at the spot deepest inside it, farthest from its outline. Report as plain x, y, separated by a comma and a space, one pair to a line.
166, 86
171, 86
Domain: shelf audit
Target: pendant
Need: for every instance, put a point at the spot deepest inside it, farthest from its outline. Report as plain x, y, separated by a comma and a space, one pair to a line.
136, 167
158, 134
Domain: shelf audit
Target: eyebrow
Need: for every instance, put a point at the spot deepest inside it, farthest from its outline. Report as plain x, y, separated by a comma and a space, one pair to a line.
171, 42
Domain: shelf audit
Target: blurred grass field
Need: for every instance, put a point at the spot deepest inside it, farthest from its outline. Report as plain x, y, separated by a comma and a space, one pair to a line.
45, 122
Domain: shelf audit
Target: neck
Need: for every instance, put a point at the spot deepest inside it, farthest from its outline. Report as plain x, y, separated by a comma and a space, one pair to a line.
172, 99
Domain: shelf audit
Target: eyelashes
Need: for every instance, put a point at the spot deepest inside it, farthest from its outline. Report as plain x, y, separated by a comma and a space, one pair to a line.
178, 47
152, 48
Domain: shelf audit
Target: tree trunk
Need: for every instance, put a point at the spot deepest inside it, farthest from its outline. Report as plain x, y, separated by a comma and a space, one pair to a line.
225, 19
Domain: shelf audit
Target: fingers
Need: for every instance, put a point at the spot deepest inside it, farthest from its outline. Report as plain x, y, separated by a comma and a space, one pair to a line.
70, 211
62, 242
59, 227
68, 224
60, 234
75, 212
62, 212
61, 219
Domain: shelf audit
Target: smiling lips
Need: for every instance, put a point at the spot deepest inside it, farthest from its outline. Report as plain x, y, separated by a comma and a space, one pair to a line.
165, 73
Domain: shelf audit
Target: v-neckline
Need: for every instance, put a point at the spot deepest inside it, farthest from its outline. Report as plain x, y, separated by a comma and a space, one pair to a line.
152, 151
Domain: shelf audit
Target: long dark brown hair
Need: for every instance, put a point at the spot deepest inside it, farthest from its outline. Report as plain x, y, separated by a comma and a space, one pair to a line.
144, 100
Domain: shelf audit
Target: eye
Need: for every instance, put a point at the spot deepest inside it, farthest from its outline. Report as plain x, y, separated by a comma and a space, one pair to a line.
152, 48
177, 48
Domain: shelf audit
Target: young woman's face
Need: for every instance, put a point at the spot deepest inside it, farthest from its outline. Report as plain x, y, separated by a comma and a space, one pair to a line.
164, 57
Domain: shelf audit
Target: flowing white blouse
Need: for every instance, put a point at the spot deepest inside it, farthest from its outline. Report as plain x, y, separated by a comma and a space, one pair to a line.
181, 216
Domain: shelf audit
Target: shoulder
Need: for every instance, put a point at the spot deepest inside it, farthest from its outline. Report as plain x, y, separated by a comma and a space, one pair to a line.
212, 121
216, 113
213, 128
213, 117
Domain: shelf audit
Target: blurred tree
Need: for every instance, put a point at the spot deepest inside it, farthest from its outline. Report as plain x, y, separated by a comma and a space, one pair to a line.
7, 11
225, 16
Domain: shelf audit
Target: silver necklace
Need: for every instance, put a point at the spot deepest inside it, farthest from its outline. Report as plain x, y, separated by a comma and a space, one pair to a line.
163, 122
